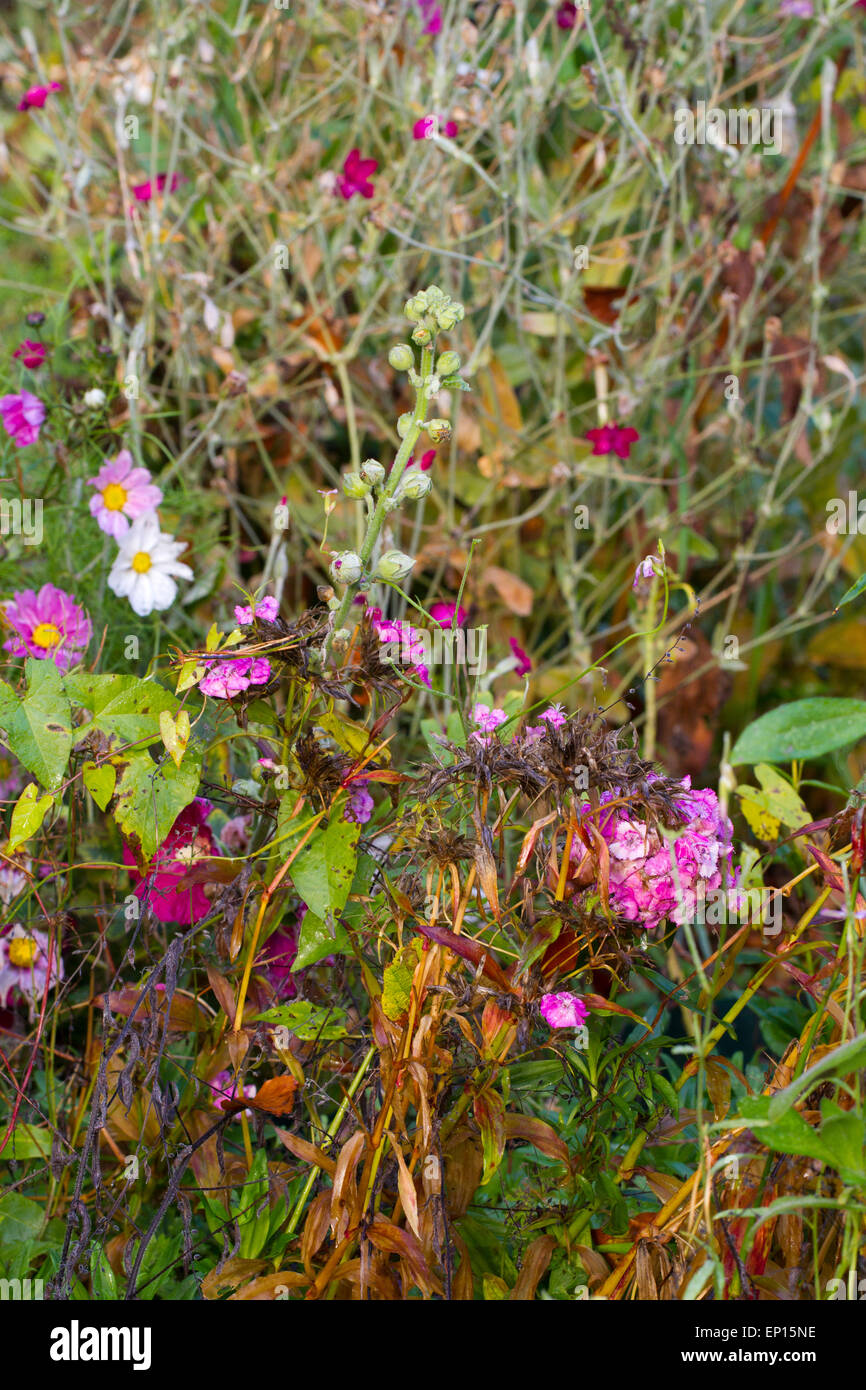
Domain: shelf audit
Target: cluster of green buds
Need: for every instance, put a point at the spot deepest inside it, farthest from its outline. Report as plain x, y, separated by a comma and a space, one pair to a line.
433, 311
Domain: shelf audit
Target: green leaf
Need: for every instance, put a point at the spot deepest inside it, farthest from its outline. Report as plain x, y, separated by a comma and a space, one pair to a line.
397, 983
123, 708
151, 796
29, 813
854, 592
324, 869
20, 1218
310, 1022
100, 782
102, 1281
802, 729
315, 942
38, 729
27, 1141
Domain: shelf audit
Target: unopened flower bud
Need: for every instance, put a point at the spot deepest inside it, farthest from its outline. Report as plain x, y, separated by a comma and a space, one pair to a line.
422, 336
438, 431
394, 565
341, 638
94, 398
415, 485
346, 567
448, 364
372, 472
404, 424
355, 486
446, 318
401, 357
414, 309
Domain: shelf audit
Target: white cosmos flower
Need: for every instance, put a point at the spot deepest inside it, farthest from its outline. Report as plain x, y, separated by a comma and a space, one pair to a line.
147, 566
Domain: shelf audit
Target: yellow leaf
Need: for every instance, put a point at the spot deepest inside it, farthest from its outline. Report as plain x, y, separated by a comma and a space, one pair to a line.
29, 813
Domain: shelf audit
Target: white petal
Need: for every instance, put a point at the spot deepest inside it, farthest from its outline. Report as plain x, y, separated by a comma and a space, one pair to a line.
141, 595
164, 590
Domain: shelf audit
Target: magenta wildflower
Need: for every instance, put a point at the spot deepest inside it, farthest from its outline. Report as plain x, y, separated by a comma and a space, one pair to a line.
564, 1010
31, 354
166, 885
227, 677
425, 463
267, 608
37, 96
448, 614
356, 176
612, 439
488, 719
566, 15
431, 15
22, 415
524, 665
554, 716
428, 126
143, 192
48, 624
124, 493
223, 1090
402, 643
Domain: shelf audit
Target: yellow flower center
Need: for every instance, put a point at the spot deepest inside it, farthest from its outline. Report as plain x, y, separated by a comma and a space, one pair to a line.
141, 562
22, 952
46, 635
114, 497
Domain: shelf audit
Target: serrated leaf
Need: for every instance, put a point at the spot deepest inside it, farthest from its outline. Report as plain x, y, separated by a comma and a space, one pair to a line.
100, 782
123, 708
38, 728
801, 729
151, 796
28, 814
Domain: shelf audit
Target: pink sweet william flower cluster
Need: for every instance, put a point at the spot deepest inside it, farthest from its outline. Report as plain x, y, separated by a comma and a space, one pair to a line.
267, 609
563, 1010
409, 639
652, 878
229, 676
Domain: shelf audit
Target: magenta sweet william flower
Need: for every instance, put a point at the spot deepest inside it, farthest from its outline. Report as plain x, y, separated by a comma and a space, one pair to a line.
448, 615
554, 716
22, 415
403, 642
431, 15
488, 719
361, 804
564, 1010
428, 126
228, 676
31, 354
143, 192
37, 96
48, 624
612, 439
267, 608
123, 492
166, 885
524, 665
566, 15
355, 177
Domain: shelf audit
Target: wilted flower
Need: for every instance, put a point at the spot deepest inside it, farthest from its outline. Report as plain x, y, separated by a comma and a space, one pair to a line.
124, 492
147, 566
235, 834
30, 354
24, 964
95, 398
48, 623
524, 665
612, 439
356, 176
37, 96
563, 1010
224, 1090
165, 885
227, 677
22, 416
648, 568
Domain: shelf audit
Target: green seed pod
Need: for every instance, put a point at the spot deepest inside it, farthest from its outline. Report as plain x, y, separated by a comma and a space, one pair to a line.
448, 364
415, 485
346, 567
438, 431
355, 486
372, 472
404, 424
422, 336
394, 565
401, 357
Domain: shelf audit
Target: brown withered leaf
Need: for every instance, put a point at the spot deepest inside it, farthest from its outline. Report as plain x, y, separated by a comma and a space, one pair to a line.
315, 1229
395, 1240
343, 1190
233, 1273
515, 593
538, 1133
270, 1286
184, 1014
275, 1097
303, 1149
535, 1261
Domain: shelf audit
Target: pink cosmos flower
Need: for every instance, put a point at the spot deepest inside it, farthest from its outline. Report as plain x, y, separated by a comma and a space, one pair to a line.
564, 1010
432, 16
23, 415
227, 677
223, 1089
428, 126
612, 439
24, 964
566, 15
31, 354
267, 608
48, 624
124, 492
165, 885
37, 96
524, 665
554, 716
448, 615
488, 719
143, 192
356, 176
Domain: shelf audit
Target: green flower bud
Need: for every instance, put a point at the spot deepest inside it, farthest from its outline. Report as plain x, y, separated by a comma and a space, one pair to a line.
422, 336
355, 486
372, 472
394, 565
404, 424
415, 485
438, 431
448, 364
446, 318
346, 567
341, 638
401, 357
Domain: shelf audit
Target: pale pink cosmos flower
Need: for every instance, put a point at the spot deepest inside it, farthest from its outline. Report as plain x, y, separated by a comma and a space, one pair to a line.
488, 719
267, 608
30, 354
22, 416
124, 492
227, 677
25, 967
554, 716
564, 1010
37, 96
48, 624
